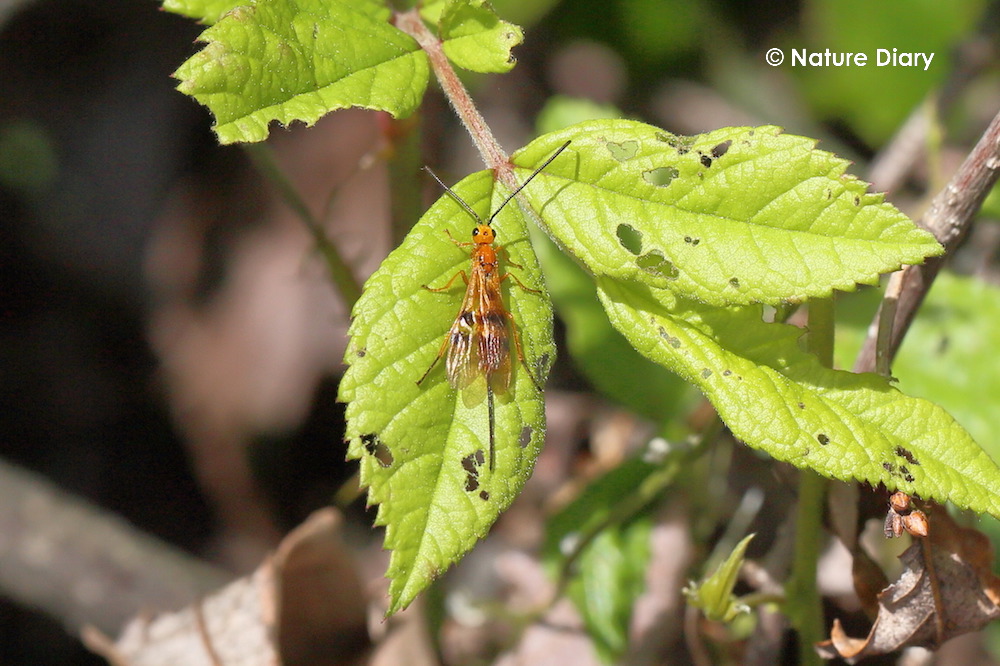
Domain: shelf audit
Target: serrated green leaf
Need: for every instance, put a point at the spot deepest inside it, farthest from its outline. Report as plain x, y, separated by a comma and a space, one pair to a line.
775, 397
205, 11
423, 449
735, 216
289, 60
714, 594
475, 38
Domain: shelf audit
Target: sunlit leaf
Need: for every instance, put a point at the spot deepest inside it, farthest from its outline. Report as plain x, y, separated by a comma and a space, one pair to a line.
424, 449
735, 216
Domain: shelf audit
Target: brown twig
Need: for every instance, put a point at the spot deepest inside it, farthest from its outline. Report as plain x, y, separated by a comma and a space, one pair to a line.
83, 566
492, 153
949, 217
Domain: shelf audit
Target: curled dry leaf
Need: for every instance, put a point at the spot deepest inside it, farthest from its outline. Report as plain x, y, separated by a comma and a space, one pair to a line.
946, 589
303, 605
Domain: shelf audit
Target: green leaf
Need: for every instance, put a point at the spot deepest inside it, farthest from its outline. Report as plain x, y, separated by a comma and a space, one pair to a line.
610, 573
600, 352
775, 397
475, 38
735, 216
611, 576
947, 353
290, 60
714, 594
205, 11
423, 449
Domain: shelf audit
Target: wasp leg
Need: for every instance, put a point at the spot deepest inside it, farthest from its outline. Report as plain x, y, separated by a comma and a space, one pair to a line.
446, 287
518, 281
520, 351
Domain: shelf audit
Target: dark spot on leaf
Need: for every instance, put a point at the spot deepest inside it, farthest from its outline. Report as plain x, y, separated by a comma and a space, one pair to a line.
822, 439
681, 144
706, 161
691, 241
630, 238
625, 150
802, 405
654, 262
377, 449
671, 340
734, 282
660, 176
705, 373
362, 352
943, 345
721, 149
889, 467
471, 464
525, 438
857, 201
829, 194
484, 495
907, 455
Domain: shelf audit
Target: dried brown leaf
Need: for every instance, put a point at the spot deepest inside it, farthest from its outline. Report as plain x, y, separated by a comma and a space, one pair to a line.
946, 589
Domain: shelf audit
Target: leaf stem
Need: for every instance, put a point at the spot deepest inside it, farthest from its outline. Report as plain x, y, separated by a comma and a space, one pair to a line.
340, 272
804, 607
492, 153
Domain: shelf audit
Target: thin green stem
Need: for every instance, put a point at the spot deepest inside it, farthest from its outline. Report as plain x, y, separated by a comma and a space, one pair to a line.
803, 604
340, 272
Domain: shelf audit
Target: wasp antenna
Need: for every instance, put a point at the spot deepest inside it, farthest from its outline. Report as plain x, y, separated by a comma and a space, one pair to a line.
525, 183
451, 193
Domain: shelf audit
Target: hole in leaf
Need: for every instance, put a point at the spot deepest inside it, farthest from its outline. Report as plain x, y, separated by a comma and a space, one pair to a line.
706, 161
630, 238
889, 467
377, 449
625, 150
484, 495
822, 439
654, 262
705, 373
362, 352
692, 241
721, 149
857, 201
525, 438
660, 176
726, 373
734, 282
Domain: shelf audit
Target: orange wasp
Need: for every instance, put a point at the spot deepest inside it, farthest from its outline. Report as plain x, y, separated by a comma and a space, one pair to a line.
478, 342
